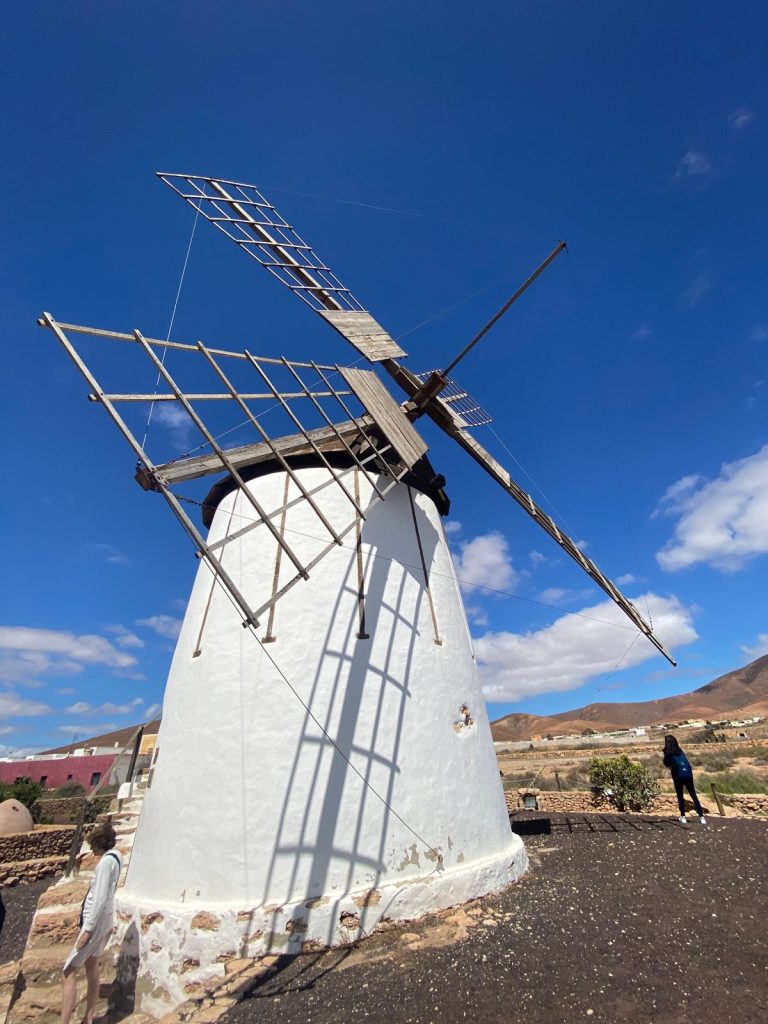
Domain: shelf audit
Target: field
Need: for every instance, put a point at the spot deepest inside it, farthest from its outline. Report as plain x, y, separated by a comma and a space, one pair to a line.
734, 767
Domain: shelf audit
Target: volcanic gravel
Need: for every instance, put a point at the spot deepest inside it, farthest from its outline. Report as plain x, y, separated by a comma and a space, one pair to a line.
620, 919
20, 902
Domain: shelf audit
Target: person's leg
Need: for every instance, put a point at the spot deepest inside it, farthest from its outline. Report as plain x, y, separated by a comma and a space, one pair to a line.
692, 790
92, 974
679, 791
68, 994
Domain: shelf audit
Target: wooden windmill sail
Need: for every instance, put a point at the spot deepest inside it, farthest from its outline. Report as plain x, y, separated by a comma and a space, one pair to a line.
340, 769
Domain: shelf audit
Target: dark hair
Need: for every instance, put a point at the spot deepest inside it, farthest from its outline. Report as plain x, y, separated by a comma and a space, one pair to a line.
671, 746
102, 838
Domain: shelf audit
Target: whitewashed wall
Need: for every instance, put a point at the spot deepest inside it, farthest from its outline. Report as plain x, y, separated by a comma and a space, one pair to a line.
251, 813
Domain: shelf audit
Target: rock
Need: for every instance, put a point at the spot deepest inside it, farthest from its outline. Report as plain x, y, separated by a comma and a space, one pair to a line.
64, 895
205, 921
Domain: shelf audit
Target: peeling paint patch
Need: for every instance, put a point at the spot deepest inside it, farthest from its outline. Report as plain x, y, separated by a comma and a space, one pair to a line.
409, 858
205, 922
368, 899
147, 920
350, 921
318, 901
297, 924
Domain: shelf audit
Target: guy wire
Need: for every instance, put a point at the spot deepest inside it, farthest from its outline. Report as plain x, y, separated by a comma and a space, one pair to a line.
170, 325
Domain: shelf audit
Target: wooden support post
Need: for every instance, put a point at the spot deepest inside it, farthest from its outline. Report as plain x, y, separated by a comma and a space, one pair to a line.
557, 781
718, 799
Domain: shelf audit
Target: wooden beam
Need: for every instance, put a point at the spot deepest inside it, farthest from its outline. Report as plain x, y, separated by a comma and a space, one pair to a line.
251, 454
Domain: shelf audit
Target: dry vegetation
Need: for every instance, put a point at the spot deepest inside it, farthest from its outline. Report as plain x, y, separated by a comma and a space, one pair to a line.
734, 767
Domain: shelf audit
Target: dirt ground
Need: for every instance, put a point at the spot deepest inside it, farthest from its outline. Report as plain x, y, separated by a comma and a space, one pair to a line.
621, 919
20, 902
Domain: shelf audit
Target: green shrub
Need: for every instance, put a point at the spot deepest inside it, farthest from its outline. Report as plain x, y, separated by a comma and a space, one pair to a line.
713, 762
26, 792
738, 782
70, 789
622, 783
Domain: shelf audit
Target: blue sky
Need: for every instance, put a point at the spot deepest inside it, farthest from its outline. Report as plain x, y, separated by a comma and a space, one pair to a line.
634, 131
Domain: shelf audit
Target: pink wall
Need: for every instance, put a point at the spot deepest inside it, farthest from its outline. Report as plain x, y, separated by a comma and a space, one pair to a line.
58, 771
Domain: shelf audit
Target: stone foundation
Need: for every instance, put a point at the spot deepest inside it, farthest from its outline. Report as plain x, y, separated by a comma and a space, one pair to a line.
180, 952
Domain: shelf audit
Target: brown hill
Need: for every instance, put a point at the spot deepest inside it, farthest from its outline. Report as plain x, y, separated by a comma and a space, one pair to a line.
741, 693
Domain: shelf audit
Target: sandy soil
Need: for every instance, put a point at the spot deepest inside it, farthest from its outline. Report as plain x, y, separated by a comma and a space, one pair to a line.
620, 920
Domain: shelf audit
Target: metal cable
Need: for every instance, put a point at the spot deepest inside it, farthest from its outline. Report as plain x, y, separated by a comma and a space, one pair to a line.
170, 325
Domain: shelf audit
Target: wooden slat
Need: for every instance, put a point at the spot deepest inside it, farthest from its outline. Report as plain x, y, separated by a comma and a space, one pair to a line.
362, 331
250, 454
386, 414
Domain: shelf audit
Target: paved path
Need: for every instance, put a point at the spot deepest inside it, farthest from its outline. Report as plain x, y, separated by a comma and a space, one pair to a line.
622, 920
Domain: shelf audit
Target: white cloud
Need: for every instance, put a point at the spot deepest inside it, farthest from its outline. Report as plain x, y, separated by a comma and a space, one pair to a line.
697, 289
178, 423
626, 579
152, 712
758, 333
122, 709
164, 625
451, 526
740, 118
110, 554
83, 708
11, 705
93, 730
552, 594
693, 164
124, 637
65, 691
573, 649
722, 522
485, 562
758, 649
26, 652
476, 615
643, 331
537, 558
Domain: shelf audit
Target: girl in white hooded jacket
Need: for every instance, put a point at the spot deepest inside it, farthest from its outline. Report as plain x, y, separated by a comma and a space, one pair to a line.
97, 921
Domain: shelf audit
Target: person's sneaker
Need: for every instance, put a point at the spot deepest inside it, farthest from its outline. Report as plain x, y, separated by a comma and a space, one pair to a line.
683, 820
702, 819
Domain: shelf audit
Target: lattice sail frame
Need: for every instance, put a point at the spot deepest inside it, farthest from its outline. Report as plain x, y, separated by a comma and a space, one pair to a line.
380, 443
243, 214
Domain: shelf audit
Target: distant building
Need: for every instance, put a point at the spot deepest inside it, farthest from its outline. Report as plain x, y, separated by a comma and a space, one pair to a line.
88, 764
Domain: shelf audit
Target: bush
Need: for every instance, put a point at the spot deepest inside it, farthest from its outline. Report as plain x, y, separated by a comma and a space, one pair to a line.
709, 736
738, 782
26, 792
713, 762
70, 789
622, 783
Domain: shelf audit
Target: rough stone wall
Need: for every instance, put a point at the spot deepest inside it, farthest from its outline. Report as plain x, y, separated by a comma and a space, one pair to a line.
753, 805
67, 808
42, 841
12, 872
580, 802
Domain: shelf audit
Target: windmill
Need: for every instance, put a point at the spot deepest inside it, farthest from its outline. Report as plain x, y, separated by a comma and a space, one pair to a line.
324, 760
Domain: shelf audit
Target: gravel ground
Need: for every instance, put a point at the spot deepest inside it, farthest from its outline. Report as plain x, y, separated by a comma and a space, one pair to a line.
20, 902
621, 919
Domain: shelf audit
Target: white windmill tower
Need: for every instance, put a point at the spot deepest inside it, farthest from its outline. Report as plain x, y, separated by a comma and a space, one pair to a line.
324, 760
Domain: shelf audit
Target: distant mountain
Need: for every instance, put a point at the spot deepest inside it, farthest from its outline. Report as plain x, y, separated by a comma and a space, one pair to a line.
738, 694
